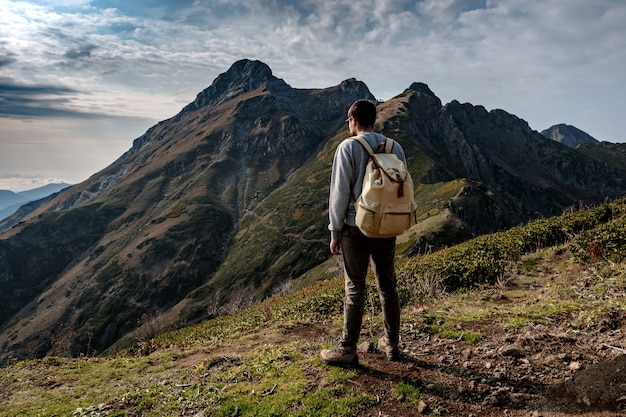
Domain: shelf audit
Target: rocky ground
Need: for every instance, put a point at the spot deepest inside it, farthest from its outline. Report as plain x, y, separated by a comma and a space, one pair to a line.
561, 364
546, 341
541, 372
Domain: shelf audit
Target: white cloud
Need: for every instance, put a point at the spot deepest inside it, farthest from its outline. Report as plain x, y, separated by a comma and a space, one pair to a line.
548, 62
41, 147
17, 183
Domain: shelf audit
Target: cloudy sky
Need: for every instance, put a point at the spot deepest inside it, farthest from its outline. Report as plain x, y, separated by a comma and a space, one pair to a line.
80, 79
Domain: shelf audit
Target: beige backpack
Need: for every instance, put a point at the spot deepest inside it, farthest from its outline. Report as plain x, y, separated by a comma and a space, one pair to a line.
386, 206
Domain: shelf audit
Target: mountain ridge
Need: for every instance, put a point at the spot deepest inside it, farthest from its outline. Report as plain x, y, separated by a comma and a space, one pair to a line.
214, 208
10, 202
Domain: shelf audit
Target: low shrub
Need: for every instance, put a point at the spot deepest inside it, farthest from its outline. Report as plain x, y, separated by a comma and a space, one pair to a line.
597, 232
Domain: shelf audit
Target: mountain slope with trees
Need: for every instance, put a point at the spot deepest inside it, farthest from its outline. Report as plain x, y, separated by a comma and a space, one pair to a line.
536, 331
224, 205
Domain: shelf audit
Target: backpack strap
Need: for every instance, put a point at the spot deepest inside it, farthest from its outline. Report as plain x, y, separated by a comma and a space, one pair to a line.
369, 151
368, 148
364, 144
388, 145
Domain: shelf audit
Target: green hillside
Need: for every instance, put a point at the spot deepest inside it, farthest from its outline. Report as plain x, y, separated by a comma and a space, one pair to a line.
555, 283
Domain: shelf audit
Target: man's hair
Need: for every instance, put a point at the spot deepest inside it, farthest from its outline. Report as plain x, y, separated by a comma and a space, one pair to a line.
364, 112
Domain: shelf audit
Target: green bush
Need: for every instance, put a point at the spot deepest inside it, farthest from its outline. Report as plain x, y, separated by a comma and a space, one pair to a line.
607, 241
485, 258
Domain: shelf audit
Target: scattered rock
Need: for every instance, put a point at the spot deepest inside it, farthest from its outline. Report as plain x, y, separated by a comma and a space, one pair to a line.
365, 347
491, 400
512, 351
467, 354
422, 407
574, 366
516, 397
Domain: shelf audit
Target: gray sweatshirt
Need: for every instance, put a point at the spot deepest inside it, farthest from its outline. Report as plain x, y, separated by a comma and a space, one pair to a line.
346, 181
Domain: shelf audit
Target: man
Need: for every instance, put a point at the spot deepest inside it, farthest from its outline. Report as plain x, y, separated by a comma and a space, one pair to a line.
345, 186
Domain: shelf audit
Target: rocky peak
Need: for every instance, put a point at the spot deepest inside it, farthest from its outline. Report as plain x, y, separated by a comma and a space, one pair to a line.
352, 85
422, 88
568, 135
243, 76
424, 103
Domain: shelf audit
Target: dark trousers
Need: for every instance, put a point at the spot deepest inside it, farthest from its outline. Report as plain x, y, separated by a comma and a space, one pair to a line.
358, 250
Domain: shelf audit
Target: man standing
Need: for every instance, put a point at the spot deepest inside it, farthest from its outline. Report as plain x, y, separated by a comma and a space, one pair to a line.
345, 186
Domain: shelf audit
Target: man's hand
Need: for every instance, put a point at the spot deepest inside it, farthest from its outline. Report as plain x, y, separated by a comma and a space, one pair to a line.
335, 246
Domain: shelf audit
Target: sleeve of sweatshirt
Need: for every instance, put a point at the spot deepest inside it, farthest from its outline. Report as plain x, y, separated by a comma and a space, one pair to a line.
340, 189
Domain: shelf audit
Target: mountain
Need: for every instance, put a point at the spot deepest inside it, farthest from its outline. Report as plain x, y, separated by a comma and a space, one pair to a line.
10, 202
568, 135
9, 198
613, 154
225, 204
41, 192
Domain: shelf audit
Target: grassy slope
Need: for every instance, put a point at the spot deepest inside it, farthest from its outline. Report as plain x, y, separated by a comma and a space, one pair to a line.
264, 361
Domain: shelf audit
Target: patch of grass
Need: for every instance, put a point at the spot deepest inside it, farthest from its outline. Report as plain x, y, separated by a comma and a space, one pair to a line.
514, 323
270, 380
431, 198
334, 401
177, 211
466, 335
409, 393
529, 263
273, 381
471, 336
340, 375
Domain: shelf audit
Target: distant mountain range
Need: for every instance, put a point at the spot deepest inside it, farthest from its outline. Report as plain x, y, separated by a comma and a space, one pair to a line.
11, 201
224, 203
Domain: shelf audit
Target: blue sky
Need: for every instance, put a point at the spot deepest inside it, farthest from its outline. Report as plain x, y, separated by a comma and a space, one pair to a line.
79, 79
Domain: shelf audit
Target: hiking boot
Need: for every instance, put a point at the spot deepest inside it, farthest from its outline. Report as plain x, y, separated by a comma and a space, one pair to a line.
340, 355
390, 349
